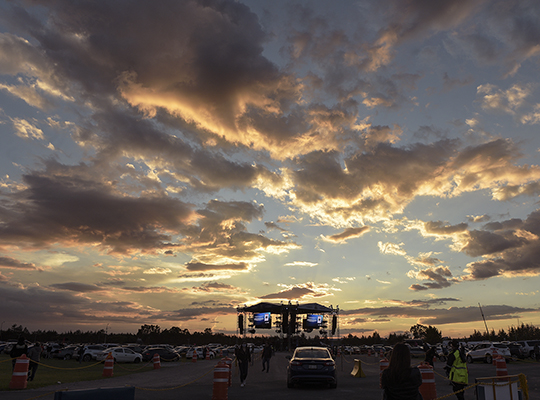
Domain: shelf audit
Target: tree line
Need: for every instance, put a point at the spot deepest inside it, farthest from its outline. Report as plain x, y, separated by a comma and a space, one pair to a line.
153, 334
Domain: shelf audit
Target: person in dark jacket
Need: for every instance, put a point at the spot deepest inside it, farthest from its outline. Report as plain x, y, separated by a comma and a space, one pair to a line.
34, 354
243, 355
18, 350
266, 355
400, 381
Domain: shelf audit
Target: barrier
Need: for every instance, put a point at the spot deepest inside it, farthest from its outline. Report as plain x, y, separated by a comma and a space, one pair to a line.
492, 389
221, 381
383, 364
19, 377
121, 393
109, 366
157, 361
357, 370
500, 367
427, 389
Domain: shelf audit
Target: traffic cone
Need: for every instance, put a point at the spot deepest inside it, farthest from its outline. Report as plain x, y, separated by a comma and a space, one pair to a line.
502, 370
369, 352
19, 377
157, 361
383, 364
381, 354
109, 365
207, 354
221, 381
229, 361
194, 356
427, 389
494, 356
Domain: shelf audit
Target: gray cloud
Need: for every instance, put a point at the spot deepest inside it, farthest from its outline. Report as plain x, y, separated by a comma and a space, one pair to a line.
8, 262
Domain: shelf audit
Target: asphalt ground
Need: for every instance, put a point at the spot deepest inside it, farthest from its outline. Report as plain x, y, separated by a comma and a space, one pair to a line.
195, 381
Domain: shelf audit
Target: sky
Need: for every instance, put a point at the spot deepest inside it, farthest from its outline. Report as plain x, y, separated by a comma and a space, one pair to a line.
167, 162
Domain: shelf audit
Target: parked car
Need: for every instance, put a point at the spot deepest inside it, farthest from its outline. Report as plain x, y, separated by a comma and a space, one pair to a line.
484, 352
516, 350
528, 347
120, 354
182, 350
164, 354
90, 352
65, 353
201, 354
135, 347
311, 365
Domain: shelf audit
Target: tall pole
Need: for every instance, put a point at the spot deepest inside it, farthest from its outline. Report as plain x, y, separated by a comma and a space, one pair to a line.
484, 318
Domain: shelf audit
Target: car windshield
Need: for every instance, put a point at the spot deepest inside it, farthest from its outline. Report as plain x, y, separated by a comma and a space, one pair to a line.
312, 353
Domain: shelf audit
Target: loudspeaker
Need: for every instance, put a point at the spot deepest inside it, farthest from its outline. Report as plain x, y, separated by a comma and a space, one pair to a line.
241, 324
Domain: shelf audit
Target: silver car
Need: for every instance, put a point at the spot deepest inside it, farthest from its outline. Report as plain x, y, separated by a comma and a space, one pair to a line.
485, 351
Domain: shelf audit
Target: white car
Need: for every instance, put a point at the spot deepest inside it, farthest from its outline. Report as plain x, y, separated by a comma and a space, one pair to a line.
91, 352
120, 354
484, 352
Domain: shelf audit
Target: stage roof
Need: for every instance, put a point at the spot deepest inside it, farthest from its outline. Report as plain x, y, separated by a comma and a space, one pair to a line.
279, 308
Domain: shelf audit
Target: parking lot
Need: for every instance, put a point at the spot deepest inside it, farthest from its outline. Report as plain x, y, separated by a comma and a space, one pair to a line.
195, 380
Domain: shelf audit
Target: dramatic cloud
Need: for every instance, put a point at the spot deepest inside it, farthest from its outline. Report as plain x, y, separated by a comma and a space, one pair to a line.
210, 153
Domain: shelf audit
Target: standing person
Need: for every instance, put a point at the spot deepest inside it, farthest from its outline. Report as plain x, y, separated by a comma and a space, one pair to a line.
430, 355
80, 352
18, 350
400, 381
243, 356
456, 368
34, 354
266, 355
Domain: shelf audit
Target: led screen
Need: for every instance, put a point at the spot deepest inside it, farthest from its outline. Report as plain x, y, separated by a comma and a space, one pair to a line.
313, 321
262, 320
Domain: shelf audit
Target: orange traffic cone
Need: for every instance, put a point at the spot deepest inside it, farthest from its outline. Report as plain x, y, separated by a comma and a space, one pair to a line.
207, 354
494, 356
502, 370
194, 356
427, 389
109, 365
228, 361
20, 373
157, 361
221, 381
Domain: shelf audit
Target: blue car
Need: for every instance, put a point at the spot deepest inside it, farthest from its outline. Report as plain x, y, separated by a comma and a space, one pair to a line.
311, 365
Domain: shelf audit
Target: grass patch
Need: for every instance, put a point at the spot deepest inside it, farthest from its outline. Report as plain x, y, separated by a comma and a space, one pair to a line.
52, 371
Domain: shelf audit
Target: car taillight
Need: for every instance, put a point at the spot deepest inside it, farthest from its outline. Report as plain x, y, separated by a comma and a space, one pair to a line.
329, 364
296, 363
